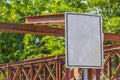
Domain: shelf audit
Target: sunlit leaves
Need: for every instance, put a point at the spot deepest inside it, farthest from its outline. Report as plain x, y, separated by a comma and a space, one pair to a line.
112, 25
14, 47
55, 45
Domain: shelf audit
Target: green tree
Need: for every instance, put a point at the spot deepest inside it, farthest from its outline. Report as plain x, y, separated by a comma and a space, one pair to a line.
16, 47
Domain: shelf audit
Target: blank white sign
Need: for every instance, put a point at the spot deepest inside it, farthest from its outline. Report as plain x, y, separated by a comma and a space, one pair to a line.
84, 43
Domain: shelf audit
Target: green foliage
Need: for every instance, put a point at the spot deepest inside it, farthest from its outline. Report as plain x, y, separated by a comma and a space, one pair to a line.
15, 47
32, 46
54, 45
11, 47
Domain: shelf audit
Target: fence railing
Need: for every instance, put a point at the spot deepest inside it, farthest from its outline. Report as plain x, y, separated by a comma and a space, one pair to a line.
112, 62
53, 68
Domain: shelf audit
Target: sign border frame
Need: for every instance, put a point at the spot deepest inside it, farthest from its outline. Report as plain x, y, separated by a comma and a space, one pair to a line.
66, 40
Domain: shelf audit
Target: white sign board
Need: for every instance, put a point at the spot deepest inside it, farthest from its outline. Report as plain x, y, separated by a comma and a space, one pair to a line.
84, 40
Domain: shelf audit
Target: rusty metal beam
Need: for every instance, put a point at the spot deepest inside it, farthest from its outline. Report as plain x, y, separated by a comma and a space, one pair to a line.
51, 19
34, 61
31, 29
109, 48
44, 30
111, 37
59, 19
48, 17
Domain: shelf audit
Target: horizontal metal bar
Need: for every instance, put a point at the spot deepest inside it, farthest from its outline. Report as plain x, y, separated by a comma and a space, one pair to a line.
45, 30
60, 18
111, 37
109, 48
34, 61
31, 29
45, 18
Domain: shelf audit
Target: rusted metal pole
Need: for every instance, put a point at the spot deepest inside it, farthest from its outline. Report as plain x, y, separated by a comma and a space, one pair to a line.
116, 63
45, 73
97, 74
57, 67
89, 74
9, 72
31, 72
67, 74
85, 77
60, 69
109, 69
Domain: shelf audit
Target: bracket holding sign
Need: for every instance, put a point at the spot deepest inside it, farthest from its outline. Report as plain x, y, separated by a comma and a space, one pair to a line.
84, 40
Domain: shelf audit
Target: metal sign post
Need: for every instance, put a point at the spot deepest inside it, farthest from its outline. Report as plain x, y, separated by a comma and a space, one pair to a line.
85, 74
